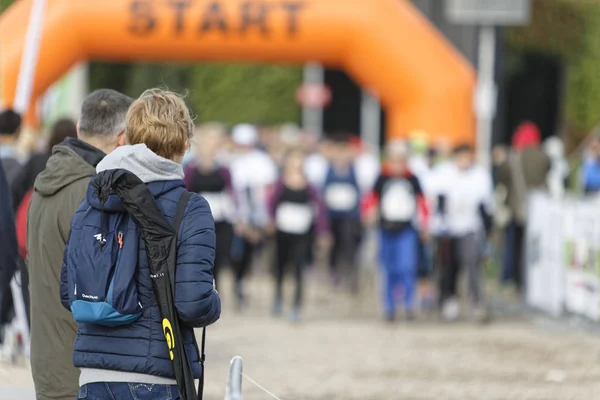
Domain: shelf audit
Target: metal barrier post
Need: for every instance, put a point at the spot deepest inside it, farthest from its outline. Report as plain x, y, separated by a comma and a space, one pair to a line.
234, 382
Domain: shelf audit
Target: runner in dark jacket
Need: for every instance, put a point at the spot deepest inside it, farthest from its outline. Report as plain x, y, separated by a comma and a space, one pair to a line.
295, 208
25, 178
342, 197
8, 244
10, 129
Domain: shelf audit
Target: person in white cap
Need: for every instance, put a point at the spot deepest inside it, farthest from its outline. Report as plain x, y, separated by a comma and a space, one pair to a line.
252, 173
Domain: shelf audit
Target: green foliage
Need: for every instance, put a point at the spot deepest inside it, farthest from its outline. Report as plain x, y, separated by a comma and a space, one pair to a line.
228, 93
4, 4
583, 90
557, 28
144, 76
110, 76
569, 29
245, 93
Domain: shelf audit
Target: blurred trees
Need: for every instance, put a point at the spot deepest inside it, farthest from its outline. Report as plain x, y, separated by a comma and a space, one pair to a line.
4, 4
245, 93
230, 93
569, 29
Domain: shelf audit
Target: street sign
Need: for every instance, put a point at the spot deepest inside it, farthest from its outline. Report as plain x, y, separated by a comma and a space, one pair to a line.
488, 12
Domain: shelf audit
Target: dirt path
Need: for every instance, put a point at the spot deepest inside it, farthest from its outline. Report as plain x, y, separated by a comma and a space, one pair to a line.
343, 351
343, 357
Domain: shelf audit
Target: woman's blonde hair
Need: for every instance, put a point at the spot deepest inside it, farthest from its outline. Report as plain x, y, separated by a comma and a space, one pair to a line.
160, 120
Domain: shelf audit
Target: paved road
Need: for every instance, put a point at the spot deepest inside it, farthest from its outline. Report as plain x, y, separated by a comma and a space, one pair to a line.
343, 351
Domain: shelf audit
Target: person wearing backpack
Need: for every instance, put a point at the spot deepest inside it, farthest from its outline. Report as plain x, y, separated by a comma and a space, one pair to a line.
105, 279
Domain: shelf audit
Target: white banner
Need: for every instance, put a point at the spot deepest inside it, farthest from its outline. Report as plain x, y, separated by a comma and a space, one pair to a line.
545, 272
563, 255
582, 253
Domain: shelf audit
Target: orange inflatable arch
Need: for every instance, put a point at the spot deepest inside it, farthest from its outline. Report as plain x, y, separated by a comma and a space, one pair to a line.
385, 45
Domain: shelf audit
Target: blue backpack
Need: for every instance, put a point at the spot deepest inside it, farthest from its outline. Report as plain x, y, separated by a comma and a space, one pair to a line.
102, 262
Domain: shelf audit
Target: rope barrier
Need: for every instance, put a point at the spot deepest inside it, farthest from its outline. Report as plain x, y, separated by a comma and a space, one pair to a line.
259, 386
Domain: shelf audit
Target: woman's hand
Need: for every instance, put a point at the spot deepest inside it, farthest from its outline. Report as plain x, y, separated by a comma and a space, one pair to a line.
324, 241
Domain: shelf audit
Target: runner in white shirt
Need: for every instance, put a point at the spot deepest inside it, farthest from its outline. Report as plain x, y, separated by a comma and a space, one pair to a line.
252, 174
368, 168
466, 207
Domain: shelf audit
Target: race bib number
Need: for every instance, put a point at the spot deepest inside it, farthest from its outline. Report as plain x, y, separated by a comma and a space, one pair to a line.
341, 197
294, 218
460, 208
220, 204
398, 203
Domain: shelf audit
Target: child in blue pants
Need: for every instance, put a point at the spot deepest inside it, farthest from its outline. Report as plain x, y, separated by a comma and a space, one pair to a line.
402, 210
399, 260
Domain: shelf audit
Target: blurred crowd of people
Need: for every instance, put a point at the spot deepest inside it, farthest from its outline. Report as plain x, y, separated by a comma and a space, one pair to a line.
307, 196
433, 207
436, 211
282, 198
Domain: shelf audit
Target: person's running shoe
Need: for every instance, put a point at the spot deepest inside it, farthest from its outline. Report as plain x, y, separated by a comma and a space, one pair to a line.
451, 310
277, 308
480, 314
295, 315
390, 317
240, 296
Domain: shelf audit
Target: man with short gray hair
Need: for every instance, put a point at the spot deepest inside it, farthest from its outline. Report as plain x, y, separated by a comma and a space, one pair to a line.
58, 191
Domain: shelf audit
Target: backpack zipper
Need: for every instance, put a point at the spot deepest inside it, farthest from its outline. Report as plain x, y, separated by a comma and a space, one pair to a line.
120, 242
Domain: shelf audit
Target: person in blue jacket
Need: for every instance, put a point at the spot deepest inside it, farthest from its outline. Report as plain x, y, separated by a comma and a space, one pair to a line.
342, 197
590, 172
132, 361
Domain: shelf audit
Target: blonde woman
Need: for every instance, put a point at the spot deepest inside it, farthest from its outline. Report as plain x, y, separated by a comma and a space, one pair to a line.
128, 358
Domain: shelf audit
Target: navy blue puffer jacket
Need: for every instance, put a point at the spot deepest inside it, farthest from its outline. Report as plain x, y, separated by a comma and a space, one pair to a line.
141, 347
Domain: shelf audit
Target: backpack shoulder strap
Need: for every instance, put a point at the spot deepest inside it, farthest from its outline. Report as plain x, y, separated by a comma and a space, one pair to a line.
177, 219
176, 224
181, 206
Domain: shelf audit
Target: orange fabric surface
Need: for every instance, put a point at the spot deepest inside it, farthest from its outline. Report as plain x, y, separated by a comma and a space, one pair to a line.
387, 46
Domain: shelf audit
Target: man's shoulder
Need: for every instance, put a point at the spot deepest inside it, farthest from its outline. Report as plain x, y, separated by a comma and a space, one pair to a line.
64, 201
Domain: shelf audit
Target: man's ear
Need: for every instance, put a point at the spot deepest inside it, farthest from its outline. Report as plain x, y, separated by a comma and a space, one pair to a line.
121, 139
